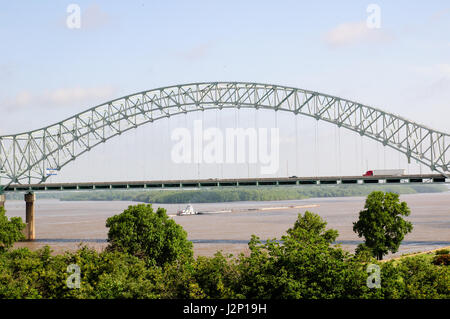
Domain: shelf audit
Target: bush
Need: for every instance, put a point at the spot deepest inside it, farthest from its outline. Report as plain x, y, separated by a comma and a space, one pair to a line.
364, 253
422, 279
10, 230
442, 259
443, 252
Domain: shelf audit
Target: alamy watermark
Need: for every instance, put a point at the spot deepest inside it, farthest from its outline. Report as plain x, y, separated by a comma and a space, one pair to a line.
374, 279
73, 20
74, 280
236, 145
373, 21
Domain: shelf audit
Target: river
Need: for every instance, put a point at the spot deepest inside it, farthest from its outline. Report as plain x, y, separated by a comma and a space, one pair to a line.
64, 225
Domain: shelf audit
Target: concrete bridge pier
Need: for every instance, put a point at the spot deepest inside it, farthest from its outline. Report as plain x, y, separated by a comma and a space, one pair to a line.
2, 200
29, 230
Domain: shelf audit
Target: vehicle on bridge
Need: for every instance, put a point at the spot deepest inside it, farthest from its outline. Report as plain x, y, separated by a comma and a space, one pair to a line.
385, 172
189, 210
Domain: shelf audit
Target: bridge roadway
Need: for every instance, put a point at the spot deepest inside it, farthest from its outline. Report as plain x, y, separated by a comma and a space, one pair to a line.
237, 182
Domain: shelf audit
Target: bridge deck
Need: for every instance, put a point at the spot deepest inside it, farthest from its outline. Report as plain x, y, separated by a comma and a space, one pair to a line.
198, 183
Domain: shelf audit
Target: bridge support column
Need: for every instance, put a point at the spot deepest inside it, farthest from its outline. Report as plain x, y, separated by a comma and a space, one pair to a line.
2, 200
29, 230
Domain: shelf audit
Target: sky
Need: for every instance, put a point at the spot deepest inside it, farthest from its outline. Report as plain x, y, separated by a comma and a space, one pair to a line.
49, 72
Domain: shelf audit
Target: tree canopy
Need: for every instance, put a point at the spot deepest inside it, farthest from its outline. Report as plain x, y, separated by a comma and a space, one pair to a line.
153, 236
381, 223
10, 230
303, 264
311, 226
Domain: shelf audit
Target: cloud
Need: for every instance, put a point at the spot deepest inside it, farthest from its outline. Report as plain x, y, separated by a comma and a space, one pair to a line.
23, 98
197, 53
436, 70
6, 72
69, 95
62, 97
94, 17
444, 68
439, 15
355, 32
432, 88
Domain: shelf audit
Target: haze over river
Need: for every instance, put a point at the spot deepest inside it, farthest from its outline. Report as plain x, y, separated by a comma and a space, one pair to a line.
63, 225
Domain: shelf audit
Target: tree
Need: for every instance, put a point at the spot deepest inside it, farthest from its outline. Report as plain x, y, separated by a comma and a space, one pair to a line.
311, 226
10, 230
216, 276
381, 223
150, 235
303, 264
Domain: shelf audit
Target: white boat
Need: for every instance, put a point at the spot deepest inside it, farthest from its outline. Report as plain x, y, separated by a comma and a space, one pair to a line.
189, 210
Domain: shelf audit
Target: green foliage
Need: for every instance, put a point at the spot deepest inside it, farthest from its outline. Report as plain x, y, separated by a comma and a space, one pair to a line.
150, 235
364, 253
442, 259
26, 274
381, 223
443, 252
10, 230
118, 275
309, 227
218, 276
302, 264
414, 277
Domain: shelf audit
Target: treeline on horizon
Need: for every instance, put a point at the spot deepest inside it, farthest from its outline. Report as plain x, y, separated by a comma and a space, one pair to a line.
234, 194
231, 194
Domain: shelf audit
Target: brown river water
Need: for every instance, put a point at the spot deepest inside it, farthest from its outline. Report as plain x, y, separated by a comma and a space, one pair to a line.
64, 225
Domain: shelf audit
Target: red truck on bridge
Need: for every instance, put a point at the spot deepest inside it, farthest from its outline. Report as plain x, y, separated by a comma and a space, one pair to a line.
385, 172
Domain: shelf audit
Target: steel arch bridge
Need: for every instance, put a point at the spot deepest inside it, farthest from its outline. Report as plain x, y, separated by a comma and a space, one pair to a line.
25, 157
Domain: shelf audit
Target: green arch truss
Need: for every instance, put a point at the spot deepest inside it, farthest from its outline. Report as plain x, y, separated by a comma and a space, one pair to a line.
25, 157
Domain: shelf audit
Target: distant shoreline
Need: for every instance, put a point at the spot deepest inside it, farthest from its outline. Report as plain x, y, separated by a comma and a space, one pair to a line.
427, 252
235, 194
